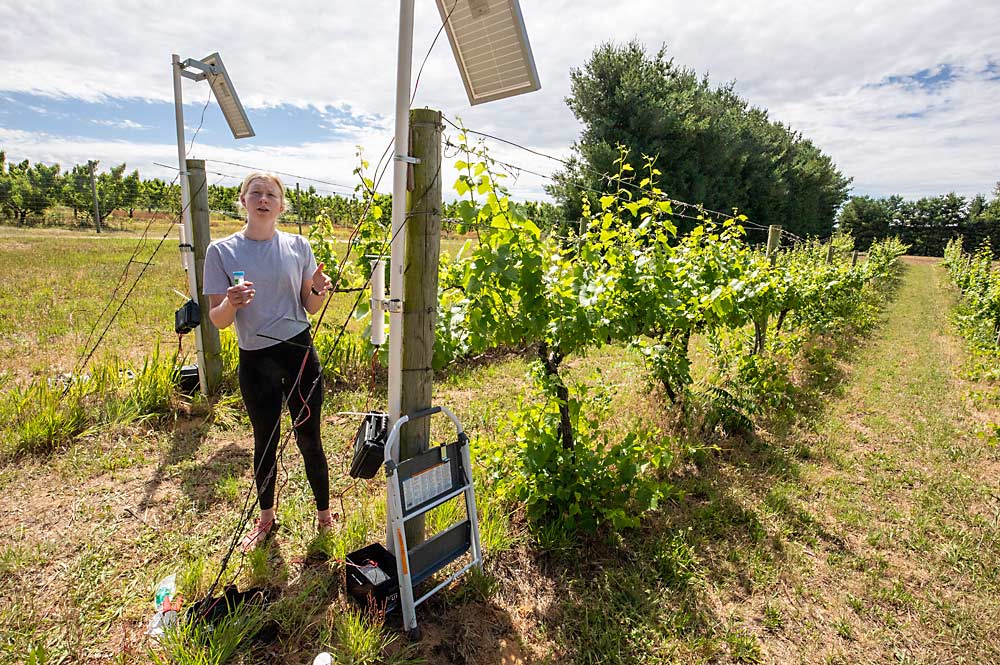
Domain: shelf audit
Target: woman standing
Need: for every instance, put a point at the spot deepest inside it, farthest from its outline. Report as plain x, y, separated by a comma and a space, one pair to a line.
281, 282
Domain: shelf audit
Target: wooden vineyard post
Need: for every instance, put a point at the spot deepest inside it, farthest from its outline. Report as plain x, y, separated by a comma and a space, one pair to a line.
854, 258
206, 334
298, 207
773, 240
829, 252
93, 191
420, 288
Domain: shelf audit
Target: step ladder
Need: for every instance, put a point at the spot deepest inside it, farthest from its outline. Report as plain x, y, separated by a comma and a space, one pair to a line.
416, 486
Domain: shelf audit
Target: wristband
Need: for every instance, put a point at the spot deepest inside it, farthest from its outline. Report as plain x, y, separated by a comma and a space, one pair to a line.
314, 291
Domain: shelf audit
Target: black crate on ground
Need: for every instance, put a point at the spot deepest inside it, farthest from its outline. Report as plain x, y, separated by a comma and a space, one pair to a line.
373, 587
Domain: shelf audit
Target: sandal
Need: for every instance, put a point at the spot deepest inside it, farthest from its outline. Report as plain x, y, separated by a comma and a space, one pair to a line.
324, 526
258, 535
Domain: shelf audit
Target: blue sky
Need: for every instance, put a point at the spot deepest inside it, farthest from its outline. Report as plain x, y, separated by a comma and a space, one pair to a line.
905, 98
136, 119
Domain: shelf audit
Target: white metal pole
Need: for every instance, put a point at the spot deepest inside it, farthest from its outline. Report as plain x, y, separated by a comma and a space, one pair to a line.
399, 208
401, 153
378, 301
186, 232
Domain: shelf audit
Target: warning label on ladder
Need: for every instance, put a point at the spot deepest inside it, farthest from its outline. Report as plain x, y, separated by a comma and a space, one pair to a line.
427, 485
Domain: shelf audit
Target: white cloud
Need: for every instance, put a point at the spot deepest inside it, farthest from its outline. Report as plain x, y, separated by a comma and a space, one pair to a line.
810, 63
120, 124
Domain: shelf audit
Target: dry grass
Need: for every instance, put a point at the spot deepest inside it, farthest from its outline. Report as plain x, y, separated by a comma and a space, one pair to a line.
864, 530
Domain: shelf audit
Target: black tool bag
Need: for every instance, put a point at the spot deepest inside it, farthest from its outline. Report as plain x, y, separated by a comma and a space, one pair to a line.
212, 609
369, 445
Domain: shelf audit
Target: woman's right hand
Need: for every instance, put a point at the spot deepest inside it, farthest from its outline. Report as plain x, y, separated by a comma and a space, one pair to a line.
241, 295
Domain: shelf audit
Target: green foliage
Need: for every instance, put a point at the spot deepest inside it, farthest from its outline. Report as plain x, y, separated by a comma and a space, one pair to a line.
597, 483
734, 405
157, 195
345, 359
49, 414
306, 204
230, 356
323, 244
721, 152
224, 200
926, 224
192, 642
131, 196
43, 416
369, 212
111, 190
676, 560
627, 279
359, 639
76, 190
27, 190
153, 384
979, 312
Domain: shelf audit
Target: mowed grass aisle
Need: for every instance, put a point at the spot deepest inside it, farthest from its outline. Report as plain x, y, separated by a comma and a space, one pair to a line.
906, 498
863, 532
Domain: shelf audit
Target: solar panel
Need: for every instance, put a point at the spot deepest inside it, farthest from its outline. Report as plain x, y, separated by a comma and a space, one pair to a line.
229, 102
491, 48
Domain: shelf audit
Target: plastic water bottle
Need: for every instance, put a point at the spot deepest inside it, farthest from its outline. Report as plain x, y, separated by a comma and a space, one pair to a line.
166, 589
164, 617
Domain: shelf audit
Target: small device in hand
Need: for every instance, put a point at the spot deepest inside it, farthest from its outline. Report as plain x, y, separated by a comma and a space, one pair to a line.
238, 277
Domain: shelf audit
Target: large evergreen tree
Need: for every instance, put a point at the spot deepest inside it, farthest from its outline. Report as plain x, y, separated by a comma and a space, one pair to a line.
711, 146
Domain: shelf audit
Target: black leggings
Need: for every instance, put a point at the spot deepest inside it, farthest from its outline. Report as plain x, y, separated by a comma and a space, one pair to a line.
267, 379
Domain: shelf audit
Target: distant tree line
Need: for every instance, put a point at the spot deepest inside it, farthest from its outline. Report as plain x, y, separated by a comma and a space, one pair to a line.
711, 146
34, 193
926, 224
29, 191
38, 193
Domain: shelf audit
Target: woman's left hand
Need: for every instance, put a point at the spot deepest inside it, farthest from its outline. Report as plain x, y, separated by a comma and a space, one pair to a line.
320, 281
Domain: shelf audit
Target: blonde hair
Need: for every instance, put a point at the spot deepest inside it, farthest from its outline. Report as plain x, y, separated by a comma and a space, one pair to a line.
263, 175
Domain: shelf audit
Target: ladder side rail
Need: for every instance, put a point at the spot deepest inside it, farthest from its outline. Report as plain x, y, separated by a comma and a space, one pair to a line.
458, 426
470, 502
393, 439
390, 461
397, 537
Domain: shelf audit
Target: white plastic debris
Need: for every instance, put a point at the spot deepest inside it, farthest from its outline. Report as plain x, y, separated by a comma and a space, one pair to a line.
166, 609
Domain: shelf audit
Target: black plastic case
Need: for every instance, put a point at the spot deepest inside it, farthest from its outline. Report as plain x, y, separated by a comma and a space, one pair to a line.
382, 597
369, 446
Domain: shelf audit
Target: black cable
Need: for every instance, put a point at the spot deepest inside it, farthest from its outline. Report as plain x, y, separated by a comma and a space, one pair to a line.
316, 190
319, 321
601, 176
329, 192
427, 55
563, 179
201, 122
290, 175
114, 293
248, 510
136, 281
120, 283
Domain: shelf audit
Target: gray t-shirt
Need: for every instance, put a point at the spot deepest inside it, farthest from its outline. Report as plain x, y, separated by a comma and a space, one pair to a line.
277, 268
